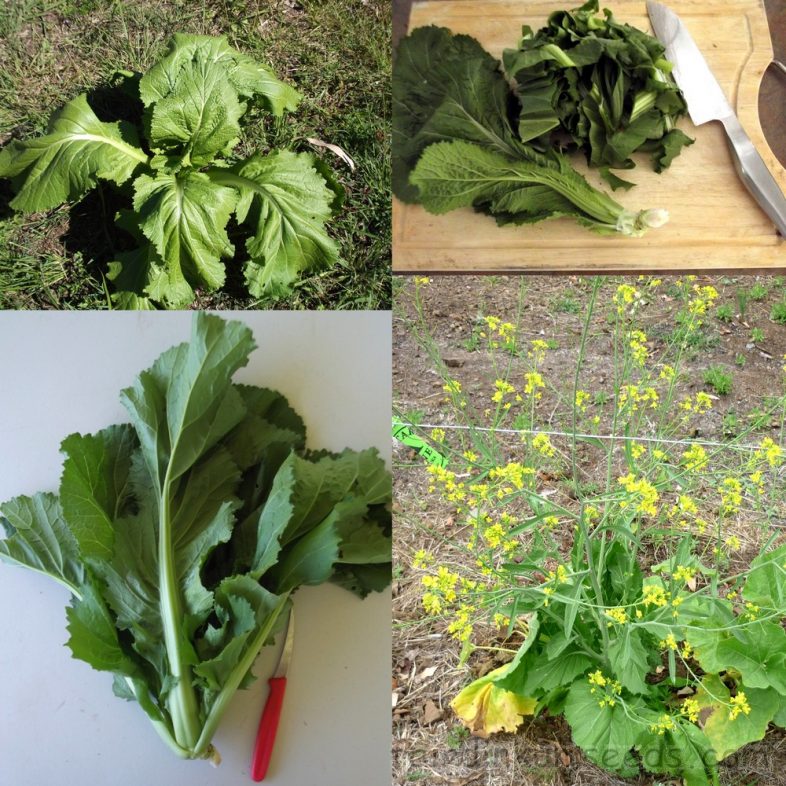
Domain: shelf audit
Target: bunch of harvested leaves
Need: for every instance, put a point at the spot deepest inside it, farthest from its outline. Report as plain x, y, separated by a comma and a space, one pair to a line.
454, 145
605, 85
183, 534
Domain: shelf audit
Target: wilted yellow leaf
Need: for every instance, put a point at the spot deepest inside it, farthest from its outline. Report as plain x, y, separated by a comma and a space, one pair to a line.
485, 709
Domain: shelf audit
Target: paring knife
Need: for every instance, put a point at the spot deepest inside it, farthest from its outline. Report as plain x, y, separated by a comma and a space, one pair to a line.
268, 723
707, 101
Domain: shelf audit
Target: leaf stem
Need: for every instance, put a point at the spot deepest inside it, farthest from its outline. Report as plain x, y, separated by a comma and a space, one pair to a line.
222, 700
161, 728
181, 702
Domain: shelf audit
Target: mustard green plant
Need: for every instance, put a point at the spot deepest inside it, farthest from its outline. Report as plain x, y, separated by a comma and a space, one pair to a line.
645, 601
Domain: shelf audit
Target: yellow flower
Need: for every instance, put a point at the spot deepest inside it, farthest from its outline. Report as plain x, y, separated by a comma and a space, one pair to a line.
667, 373
591, 514
664, 724
695, 457
739, 704
542, 444
432, 603
637, 451
597, 678
582, 400
626, 295
422, 559
452, 386
669, 642
513, 473
684, 574
532, 382
731, 495
733, 543
702, 300
647, 494
438, 434
770, 451
690, 710
538, 350
637, 397
494, 535
655, 595
422, 281
618, 614
501, 621
703, 403
637, 341
560, 575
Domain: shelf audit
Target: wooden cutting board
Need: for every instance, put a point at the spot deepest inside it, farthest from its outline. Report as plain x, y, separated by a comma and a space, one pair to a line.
715, 224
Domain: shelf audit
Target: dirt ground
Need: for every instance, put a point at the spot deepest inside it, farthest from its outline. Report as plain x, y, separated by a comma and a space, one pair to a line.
429, 745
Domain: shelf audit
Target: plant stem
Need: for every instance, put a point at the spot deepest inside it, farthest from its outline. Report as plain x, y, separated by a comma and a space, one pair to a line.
222, 700
181, 702
161, 728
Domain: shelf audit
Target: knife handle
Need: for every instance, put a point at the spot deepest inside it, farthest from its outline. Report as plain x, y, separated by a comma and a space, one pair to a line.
268, 725
754, 174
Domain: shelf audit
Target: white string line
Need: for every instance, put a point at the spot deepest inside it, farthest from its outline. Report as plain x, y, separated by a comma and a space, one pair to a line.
608, 437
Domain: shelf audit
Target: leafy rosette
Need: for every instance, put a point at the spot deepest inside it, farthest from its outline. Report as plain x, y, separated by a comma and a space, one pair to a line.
185, 183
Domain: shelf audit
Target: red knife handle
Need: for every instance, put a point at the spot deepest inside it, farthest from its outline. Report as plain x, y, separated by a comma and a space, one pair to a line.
268, 725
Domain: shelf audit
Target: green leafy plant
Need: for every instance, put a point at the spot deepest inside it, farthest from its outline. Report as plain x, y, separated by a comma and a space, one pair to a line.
778, 313
719, 379
605, 85
724, 313
177, 167
183, 534
454, 145
620, 596
757, 335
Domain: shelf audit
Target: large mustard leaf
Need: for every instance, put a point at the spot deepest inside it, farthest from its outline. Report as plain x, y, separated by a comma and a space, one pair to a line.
66, 162
484, 708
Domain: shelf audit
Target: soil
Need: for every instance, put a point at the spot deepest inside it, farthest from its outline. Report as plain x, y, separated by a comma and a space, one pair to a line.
430, 746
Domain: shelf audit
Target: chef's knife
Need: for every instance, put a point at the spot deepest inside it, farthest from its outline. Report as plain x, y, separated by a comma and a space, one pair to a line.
707, 101
268, 723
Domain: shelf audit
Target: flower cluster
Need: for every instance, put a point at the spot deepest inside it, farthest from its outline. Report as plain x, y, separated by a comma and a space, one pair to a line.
637, 397
500, 334
445, 479
731, 496
637, 343
611, 688
739, 705
665, 723
695, 458
512, 474
627, 299
646, 494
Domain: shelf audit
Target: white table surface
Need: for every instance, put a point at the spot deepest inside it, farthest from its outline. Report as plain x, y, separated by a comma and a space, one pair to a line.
59, 721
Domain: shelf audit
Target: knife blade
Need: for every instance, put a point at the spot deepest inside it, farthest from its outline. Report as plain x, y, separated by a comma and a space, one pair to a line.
268, 723
707, 102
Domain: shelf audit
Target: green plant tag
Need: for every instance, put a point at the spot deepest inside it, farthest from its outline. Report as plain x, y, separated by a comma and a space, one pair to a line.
403, 434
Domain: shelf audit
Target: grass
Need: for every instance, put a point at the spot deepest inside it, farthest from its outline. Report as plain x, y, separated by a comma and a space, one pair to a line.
719, 379
336, 52
778, 313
